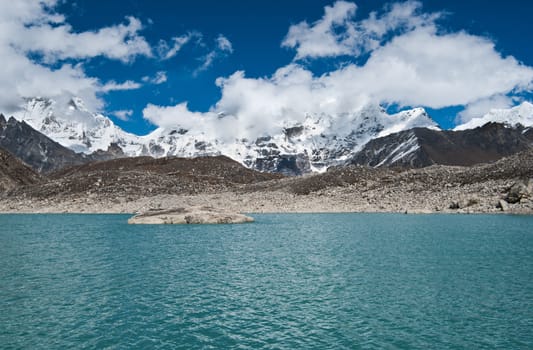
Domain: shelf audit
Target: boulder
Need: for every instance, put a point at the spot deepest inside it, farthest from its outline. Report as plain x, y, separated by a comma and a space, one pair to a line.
503, 205
455, 205
519, 190
191, 215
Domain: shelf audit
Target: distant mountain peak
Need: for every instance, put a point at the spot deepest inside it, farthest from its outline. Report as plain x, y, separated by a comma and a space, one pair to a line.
521, 114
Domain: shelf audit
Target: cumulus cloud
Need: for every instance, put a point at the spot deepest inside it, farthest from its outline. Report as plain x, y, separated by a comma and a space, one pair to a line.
208, 124
33, 29
178, 115
57, 41
425, 68
337, 33
123, 114
332, 35
411, 62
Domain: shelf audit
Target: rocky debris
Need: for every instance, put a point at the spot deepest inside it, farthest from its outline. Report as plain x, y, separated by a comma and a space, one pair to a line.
519, 190
146, 176
14, 173
121, 186
192, 215
463, 203
455, 205
286, 164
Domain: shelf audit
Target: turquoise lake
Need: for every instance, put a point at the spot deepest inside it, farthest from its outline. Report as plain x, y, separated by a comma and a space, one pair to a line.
287, 281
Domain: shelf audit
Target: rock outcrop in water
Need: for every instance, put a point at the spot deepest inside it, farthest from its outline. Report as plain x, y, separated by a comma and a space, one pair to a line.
192, 215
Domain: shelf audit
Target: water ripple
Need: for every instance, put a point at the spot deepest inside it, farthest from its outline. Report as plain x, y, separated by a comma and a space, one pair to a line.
346, 281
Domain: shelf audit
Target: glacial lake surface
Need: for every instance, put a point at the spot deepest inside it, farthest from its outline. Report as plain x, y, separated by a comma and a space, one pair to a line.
287, 281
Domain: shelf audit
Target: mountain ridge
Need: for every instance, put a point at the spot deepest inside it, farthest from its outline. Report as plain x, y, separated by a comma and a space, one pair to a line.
42, 153
421, 147
313, 145
318, 142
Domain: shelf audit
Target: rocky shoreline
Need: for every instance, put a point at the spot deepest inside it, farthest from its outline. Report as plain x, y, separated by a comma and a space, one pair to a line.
475, 198
504, 186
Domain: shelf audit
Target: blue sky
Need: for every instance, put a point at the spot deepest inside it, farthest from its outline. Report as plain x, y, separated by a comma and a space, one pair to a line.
254, 31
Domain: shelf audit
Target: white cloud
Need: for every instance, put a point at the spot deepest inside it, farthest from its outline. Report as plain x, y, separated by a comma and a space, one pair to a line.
209, 124
58, 41
123, 114
178, 115
337, 33
167, 51
435, 70
159, 78
223, 44
33, 28
114, 86
481, 107
411, 62
332, 35
222, 48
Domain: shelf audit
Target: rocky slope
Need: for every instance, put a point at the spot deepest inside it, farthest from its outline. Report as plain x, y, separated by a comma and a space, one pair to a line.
421, 147
128, 178
42, 153
14, 173
505, 185
35, 149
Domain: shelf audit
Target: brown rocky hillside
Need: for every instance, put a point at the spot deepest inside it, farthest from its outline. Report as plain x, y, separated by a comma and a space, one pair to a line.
14, 173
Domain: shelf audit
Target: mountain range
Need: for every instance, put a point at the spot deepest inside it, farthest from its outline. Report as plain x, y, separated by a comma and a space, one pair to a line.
49, 135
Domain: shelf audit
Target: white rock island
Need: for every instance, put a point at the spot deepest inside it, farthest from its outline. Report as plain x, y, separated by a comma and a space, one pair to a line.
191, 215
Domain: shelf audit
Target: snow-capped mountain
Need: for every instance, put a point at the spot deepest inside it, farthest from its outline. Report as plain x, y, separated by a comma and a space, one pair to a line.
421, 147
497, 134
318, 142
72, 125
521, 114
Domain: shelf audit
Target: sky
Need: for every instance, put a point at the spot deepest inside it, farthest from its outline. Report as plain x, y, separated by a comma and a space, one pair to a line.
149, 64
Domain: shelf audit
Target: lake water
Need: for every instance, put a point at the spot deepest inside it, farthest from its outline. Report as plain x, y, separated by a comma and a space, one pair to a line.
291, 281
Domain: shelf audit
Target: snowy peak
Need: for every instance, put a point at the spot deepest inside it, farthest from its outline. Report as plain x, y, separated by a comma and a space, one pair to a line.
72, 125
409, 119
323, 140
518, 115
316, 142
